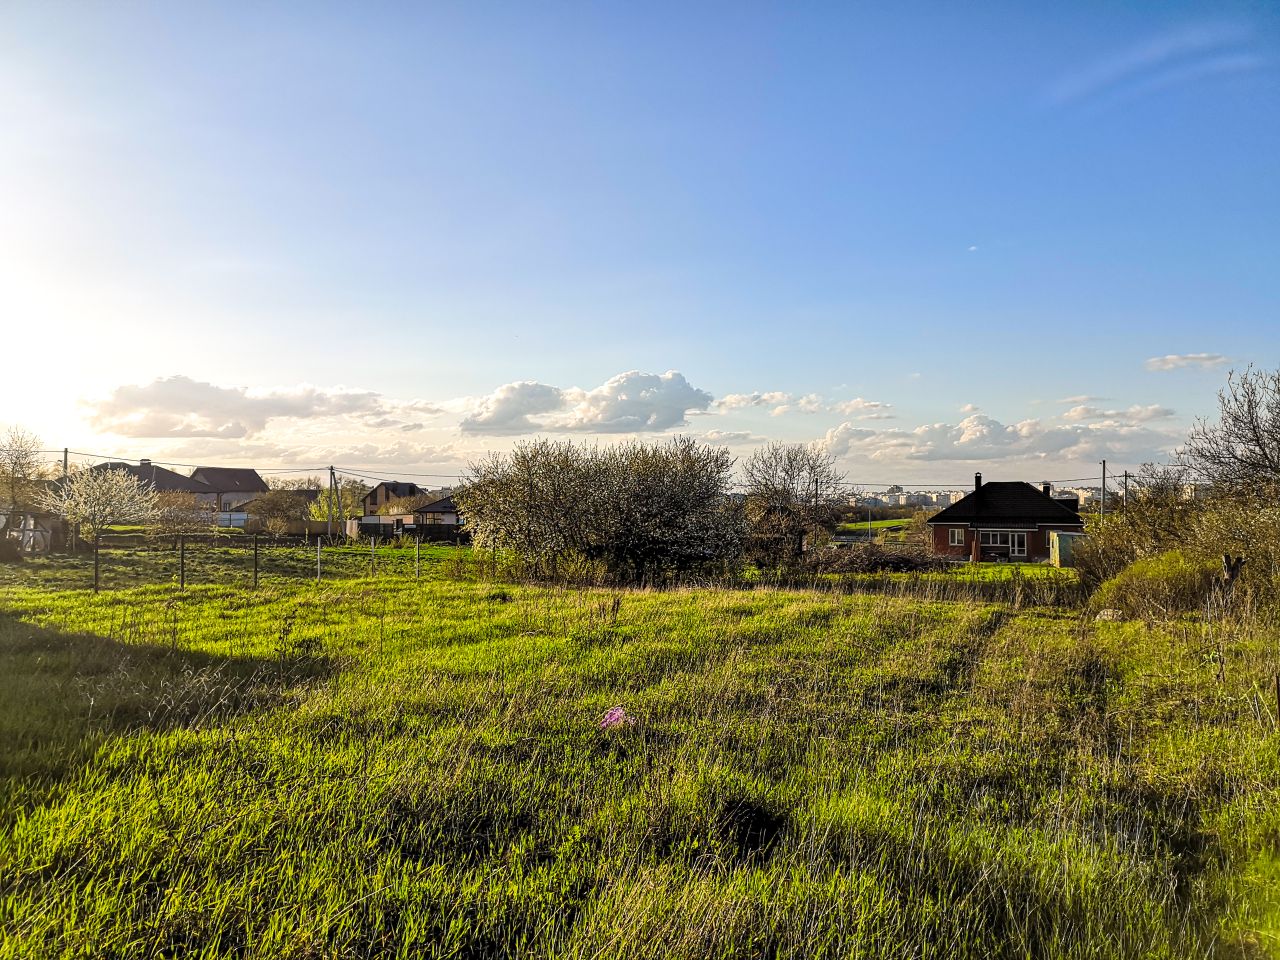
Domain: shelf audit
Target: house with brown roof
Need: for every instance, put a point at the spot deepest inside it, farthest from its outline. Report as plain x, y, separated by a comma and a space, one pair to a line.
1002, 520
162, 480
234, 486
387, 491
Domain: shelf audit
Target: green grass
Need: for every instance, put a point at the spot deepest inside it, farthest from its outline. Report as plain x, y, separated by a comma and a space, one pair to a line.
398, 768
230, 566
1006, 571
876, 525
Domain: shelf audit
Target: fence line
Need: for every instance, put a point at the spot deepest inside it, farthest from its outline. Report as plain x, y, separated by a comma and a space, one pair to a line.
190, 561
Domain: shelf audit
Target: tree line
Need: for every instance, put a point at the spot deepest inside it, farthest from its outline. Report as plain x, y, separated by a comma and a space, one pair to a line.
650, 513
642, 512
1209, 518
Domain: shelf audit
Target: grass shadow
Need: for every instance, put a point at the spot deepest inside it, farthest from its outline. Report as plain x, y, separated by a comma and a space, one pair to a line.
62, 693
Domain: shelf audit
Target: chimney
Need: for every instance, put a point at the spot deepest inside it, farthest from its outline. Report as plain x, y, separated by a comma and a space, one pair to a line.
977, 481
1046, 488
144, 462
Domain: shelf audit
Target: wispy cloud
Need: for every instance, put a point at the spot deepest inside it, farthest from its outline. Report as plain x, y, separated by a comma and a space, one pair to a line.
1180, 361
1176, 57
1083, 398
731, 438
740, 401
1138, 413
781, 403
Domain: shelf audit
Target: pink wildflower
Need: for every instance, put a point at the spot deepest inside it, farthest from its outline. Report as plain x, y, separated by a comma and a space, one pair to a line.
616, 717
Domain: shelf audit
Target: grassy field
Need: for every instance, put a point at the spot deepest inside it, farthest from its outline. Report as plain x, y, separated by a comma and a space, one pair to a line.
230, 566
876, 525
417, 768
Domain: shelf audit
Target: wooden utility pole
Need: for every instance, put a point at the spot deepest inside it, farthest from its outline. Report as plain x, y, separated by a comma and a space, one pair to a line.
333, 489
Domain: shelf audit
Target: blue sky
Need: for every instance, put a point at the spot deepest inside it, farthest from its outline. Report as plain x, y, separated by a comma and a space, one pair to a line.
935, 237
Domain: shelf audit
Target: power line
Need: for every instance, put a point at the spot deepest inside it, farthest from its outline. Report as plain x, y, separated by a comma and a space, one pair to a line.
395, 473
379, 474
174, 463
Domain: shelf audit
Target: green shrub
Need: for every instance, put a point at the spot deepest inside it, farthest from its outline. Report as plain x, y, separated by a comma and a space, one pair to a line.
874, 558
1156, 586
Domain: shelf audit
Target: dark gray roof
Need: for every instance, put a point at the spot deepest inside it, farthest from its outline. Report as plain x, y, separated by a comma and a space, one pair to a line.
231, 479
164, 481
1004, 503
443, 505
396, 489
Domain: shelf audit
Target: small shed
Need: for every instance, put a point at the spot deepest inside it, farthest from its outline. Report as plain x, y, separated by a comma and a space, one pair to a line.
1061, 544
34, 533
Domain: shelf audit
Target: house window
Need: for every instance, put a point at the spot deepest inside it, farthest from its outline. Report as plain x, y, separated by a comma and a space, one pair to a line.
1017, 544
995, 538
956, 537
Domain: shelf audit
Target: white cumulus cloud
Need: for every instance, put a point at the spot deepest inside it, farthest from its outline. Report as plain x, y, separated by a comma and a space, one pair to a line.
509, 409
809, 403
978, 438
179, 406
631, 402
863, 409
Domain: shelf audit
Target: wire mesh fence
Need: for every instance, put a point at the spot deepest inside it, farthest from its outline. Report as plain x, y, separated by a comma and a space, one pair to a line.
245, 562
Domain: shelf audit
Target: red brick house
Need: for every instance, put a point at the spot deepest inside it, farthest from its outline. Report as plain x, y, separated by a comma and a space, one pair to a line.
1002, 520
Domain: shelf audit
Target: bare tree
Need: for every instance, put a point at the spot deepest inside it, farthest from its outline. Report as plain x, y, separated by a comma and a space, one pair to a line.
183, 513
1156, 516
1243, 448
97, 499
20, 467
280, 508
795, 497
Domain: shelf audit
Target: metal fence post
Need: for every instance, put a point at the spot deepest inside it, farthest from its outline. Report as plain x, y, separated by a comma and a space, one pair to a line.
255, 561
373, 549
182, 562
417, 547
317, 559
